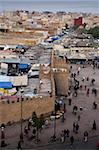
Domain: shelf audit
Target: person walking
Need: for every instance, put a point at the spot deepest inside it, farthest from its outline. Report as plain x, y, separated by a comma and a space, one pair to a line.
92, 81
94, 125
67, 132
34, 132
70, 68
94, 105
75, 93
26, 131
65, 135
63, 118
71, 140
85, 136
79, 68
69, 100
80, 87
83, 79
87, 94
77, 128
95, 92
2, 133
85, 87
75, 109
74, 75
64, 108
74, 127
3, 144
87, 78
30, 123
62, 137
19, 147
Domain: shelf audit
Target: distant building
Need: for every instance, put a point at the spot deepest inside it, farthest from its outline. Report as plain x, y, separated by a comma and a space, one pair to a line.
78, 21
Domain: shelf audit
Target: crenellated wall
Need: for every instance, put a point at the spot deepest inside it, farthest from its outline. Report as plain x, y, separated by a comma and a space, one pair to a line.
12, 111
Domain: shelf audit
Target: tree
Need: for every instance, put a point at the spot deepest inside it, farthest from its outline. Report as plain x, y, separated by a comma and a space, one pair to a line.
38, 122
75, 27
94, 31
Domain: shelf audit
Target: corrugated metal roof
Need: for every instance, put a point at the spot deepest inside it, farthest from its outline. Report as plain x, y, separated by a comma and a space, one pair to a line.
14, 60
4, 78
11, 60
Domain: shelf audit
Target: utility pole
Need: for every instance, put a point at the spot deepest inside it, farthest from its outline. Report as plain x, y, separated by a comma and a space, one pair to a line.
21, 134
54, 136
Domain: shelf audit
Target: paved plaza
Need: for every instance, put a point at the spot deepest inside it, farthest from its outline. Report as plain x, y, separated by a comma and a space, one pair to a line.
87, 115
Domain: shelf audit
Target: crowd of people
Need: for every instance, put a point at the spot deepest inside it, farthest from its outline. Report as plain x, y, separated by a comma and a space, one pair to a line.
76, 86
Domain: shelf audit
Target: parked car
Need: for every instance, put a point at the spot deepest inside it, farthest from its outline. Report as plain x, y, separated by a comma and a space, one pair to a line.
33, 74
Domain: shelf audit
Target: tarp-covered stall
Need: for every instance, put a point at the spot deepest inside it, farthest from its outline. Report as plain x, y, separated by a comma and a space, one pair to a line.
6, 85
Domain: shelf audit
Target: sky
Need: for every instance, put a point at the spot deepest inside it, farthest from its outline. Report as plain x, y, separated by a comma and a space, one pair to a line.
49, 0
51, 5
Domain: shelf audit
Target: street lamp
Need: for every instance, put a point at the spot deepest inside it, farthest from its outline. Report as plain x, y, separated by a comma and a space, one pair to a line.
21, 134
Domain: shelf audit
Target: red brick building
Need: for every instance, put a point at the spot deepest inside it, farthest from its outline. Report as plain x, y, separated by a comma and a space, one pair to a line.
78, 21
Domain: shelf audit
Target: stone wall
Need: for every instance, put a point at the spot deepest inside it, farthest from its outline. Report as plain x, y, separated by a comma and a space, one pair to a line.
12, 111
40, 104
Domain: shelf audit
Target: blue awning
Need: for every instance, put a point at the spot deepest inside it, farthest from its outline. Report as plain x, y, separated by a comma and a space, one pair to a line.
23, 66
19, 46
6, 85
55, 38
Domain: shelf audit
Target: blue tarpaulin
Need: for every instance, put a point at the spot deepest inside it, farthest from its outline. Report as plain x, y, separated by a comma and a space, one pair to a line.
19, 46
6, 85
55, 38
23, 66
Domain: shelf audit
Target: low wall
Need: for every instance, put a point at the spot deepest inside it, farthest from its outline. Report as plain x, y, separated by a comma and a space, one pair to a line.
12, 111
